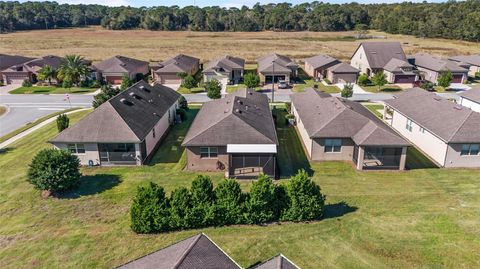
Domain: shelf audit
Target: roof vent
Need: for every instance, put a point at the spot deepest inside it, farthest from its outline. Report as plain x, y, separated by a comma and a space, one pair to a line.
144, 88
226, 110
239, 101
132, 94
458, 107
126, 102
238, 111
251, 93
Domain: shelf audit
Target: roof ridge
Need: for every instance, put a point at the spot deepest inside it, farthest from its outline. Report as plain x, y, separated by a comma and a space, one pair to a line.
189, 248
461, 125
215, 244
253, 127
370, 131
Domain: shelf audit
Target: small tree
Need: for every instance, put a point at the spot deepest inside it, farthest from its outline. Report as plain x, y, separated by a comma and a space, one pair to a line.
189, 82
54, 170
62, 122
180, 209
261, 203
228, 203
379, 79
73, 69
183, 103
347, 90
126, 82
26, 83
182, 75
106, 92
251, 80
203, 198
149, 212
67, 83
47, 73
445, 79
214, 89
363, 80
305, 200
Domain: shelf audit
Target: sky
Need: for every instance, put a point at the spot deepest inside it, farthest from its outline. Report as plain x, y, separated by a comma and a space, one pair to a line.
202, 3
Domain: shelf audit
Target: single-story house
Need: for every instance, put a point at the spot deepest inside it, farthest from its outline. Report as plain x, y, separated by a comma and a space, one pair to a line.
113, 69
430, 67
166, 71
326, 67
400, 71
29, 70
227, 69
372, 57
471, 99
277, 262
235, 134
7, 61
445, 131
472, 60
195, 252
277, 67
336, 129
125, 130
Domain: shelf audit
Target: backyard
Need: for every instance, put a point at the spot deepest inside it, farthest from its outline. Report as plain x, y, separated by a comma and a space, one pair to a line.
422, 218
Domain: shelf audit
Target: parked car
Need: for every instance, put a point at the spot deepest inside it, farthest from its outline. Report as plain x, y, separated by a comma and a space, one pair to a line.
282, 84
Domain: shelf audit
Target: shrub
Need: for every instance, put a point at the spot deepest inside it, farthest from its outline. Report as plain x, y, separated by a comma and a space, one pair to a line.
288, 107
305, 200
214, 89
363, 80
106, 92
182, 75
427, 85
126, 82
203, 198
251, 80
445, 79
54, 170
189, 82
327, 81
347, 90
228, 203
1, 83
183, 102
379, 79
182, 113
149, 212
27, 83
477, 75
95, 84
62, 122
260, 206
67, 84
181, 214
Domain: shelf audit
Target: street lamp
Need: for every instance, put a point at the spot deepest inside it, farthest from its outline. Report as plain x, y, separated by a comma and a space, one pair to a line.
273, 79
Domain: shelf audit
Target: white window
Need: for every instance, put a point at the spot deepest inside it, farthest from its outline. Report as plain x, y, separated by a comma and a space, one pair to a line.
422, 130
470, 149
208, 152
333, 145
409, 124
153, 131
76, 148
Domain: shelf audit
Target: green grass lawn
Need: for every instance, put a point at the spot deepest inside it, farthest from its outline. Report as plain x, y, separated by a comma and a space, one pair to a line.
309, 83
50, 90
374, 108
422, 218
386, 88
184, 90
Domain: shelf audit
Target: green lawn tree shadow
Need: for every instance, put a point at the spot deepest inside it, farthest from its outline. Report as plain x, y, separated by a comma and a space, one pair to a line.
417, 160
91, 185
337, 210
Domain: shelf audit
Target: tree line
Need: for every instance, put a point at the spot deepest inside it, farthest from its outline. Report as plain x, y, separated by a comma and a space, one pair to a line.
454, 20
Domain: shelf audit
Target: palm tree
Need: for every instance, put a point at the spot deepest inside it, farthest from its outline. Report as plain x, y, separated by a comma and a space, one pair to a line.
73, 68
47, 73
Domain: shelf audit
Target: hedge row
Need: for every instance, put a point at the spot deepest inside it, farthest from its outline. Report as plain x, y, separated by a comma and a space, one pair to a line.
300, 199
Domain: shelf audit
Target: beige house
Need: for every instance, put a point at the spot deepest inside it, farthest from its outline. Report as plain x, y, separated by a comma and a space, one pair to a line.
372, 57
227, 69
472, 60
326, 67
16, 74
125, 130
400, 72
167, 71
113, 69
471, 99
235, 134
7, 61
448, 133
275, 67
336, 129
430, 67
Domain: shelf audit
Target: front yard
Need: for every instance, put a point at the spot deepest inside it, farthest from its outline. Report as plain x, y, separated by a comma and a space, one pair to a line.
309, 83
385, 88
422, 218
51, 90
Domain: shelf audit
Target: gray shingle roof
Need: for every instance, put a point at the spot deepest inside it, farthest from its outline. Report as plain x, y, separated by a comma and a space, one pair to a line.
472, 94
321, 61
343, 68
127, 121
243, 117
227, 63
120, 64
282, 63
7, 61
277, 262
469, 59
36, 64
436, 64
192, 253
380, 53
179, 63
326, 116
397, 65
450, 122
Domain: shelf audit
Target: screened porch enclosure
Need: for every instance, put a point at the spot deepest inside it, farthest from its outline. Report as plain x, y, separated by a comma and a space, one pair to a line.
117, 153
252, 165
382, 158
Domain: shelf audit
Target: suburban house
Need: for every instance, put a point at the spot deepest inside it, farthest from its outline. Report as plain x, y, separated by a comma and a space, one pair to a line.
235, 134
7, 61
227, 69
447, 132
126, 129
16, 74
195, 252
336, 129
277, 262
373, 57
326, 67
276, 66
430, 67
472, 60
166, 71
471, 99
113, 69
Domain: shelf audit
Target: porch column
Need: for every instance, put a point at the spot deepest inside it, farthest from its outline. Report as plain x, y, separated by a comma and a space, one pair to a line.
384, 111
361, 154
138, 154
403, 158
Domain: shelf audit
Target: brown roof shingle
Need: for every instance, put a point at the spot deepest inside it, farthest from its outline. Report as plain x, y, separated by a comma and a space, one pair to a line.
278, 262
321, 61
179, 63
469, 59
282, 64
7, 61
120, 64
227, 63
436, 64
380, 53
472, 94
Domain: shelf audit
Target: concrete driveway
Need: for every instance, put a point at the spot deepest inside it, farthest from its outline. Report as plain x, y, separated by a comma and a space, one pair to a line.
9, 87
356, 89
172, 86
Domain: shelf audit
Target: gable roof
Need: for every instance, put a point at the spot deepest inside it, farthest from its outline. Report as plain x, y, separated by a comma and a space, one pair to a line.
7, 61
36, 64
227, 63
343, 68
120, 64
321, 61
396, 65
447, 120
282, 63
469, 59
278, 262
436, 64
243, 117
194, 252
326, 116
179, 63
380, 53
472, 94
126, 118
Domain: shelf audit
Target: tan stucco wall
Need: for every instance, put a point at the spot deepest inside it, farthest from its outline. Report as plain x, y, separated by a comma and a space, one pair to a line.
195, 163
359, 60
473, 69
309, 69
341, 77
319, 154
91, 152
454, 159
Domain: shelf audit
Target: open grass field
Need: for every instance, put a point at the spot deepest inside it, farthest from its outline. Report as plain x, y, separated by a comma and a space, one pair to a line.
97, 44
50, 90
422, 218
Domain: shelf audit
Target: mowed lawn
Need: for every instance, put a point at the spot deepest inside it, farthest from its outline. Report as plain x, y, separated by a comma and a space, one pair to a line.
423, 218
51, 90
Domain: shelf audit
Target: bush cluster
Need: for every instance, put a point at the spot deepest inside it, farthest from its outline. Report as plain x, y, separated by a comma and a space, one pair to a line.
363, 80
26, 83
202, 205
